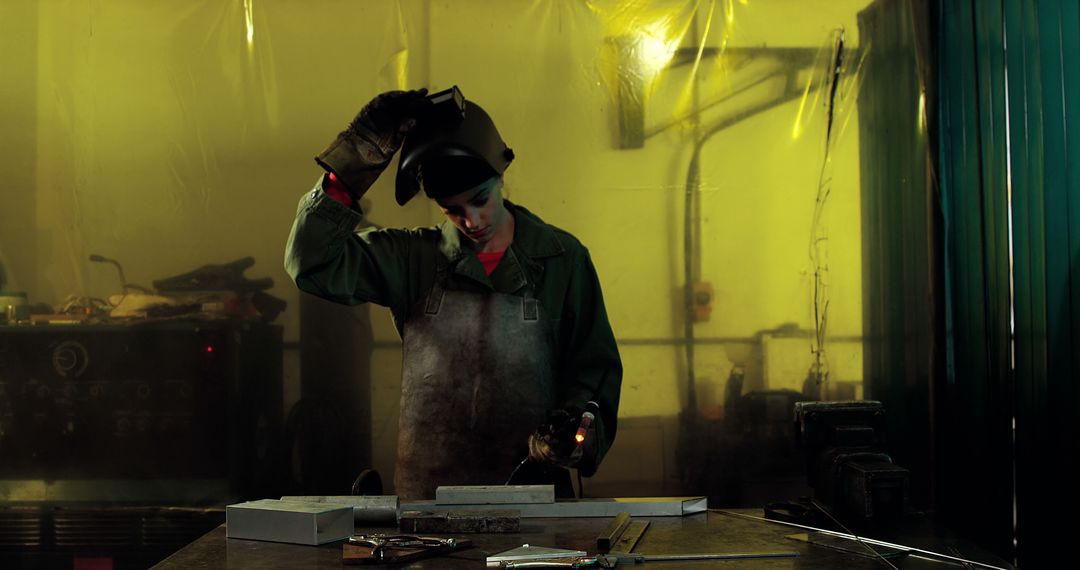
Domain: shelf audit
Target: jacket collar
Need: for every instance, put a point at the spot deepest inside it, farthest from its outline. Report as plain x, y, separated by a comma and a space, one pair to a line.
532, 237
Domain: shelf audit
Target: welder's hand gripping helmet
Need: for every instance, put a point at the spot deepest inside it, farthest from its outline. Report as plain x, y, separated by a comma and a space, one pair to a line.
440, 140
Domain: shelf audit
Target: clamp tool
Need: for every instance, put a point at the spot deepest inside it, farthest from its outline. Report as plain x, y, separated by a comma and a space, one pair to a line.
390, 549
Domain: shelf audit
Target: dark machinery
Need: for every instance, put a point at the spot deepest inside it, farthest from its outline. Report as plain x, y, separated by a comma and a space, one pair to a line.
845, 463
119, 443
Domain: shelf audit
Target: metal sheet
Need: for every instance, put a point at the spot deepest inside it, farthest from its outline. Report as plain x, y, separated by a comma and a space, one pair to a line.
635, 506
494, 494
367, 509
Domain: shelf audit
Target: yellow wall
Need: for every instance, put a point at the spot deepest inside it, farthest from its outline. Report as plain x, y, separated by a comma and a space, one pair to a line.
158, 134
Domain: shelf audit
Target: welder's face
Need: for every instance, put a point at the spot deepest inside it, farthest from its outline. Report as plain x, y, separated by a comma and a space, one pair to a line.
478, 213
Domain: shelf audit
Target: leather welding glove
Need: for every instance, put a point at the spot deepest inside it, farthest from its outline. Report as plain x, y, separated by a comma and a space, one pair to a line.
553, 442
362, 151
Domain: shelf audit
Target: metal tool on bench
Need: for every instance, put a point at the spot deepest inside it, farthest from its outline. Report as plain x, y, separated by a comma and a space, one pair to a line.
390, 549
600, 561
528, 556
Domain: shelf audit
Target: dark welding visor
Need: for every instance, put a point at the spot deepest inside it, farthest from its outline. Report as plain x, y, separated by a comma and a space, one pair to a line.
447, 154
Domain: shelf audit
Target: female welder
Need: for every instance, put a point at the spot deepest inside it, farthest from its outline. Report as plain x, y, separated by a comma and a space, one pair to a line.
501, 314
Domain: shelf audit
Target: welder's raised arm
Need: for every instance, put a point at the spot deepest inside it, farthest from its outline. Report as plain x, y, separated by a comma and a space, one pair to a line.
360, 153
325, 254
327, 257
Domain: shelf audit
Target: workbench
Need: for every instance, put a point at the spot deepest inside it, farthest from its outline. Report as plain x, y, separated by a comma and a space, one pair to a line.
711, 532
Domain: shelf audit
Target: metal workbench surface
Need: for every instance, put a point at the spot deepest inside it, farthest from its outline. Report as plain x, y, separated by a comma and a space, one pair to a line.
712, 532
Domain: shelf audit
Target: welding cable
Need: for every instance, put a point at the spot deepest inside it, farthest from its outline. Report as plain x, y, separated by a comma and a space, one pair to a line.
516, 469
847, 530
124, 285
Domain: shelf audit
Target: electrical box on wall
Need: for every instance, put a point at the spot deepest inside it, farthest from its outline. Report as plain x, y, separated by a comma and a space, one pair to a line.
703, 301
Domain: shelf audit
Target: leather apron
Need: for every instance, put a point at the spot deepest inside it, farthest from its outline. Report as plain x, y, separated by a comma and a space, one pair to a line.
476, 381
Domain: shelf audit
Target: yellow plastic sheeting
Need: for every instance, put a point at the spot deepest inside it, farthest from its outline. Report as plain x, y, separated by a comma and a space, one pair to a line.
170, 135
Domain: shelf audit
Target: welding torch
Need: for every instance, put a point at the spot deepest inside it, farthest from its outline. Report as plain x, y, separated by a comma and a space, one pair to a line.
587, 417
553, 438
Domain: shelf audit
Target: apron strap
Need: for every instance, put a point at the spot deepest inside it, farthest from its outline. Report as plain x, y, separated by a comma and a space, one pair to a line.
529, 309
438, 289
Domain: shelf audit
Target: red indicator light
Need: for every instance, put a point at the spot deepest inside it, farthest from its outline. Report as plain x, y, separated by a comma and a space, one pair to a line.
209, 349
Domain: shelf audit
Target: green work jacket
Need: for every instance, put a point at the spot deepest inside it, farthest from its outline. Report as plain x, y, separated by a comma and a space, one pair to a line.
396, 268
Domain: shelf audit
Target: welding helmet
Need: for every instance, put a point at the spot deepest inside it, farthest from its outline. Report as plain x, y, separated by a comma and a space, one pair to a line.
447, 154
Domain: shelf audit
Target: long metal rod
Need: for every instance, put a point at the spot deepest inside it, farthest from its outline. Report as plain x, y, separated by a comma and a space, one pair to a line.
734, 556
868, 540
636, 507
606, 560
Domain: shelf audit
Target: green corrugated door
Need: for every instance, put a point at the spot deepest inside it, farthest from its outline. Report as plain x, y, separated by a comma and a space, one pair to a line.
1011, 64
973, 415
1043, 55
